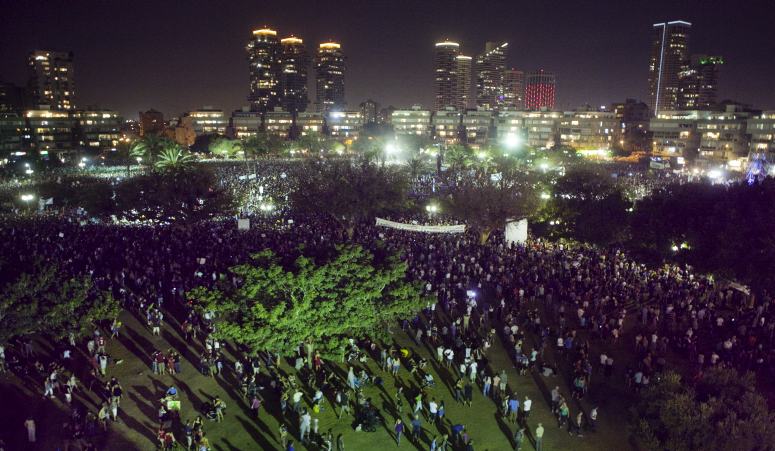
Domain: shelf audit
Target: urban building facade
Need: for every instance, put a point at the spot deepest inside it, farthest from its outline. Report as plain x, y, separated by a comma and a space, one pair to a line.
446, 76
446, 124
490, 68
414, 121
539, 90
513, 89
669, 52
369, 111
329, 77
294, 64
151, 121
51, 79
263, 57
462, 93
700, 82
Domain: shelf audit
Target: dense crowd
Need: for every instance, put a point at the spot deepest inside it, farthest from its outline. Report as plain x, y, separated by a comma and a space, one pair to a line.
548, 304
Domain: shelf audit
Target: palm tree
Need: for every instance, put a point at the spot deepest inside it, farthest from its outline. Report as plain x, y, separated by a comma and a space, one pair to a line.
127, 151
174, 157
310, 141
151, 145
417, 165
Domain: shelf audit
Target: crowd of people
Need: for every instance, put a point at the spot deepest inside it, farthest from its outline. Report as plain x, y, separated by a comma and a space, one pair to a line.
549, 305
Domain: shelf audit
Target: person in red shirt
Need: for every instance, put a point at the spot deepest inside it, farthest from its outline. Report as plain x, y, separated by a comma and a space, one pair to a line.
160, 362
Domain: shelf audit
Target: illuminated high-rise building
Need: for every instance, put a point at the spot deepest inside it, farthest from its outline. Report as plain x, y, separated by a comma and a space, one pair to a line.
669, 53
329, 77
265, 78
294, 65
446, 76
513, 88
462, 93
539, 90
51, 79
490, 67
699, 82
151, 121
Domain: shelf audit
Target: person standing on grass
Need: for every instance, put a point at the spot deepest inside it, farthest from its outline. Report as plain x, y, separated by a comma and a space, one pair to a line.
593, 420
469, 394
519, 436
526, 408
30, 425
339, 443
577, 428
416, 427
539, 437
283, 434
399, 428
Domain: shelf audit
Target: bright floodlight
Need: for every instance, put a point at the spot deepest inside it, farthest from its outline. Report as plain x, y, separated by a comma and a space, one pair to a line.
544, 166
390, 148
512, 140
27, 197
714, 174
544, 196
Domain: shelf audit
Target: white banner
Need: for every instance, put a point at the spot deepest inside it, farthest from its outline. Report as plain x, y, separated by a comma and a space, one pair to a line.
516, 231
243, 224
420, 228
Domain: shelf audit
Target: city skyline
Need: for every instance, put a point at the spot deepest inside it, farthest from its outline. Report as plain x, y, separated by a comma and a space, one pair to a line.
598, 51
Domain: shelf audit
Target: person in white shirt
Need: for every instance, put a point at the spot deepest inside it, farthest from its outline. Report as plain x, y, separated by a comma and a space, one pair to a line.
526, 408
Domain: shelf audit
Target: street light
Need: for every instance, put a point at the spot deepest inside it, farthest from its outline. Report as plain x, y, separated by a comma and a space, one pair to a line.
27, 198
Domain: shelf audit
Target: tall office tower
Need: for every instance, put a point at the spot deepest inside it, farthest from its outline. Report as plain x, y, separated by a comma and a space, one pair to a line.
265, 79
699, 82
294, 65
445, 86
539, 90
490, 67
669, 52
51, 79
151, 121
513, 88
462, 95
329, 75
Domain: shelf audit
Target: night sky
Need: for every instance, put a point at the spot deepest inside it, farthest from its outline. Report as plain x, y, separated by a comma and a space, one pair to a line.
175, 56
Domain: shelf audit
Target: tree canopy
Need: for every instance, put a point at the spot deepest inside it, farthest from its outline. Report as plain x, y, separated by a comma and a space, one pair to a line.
723, 412
725, 231
587, 206
181, 196
47, 300
347, 190
487, 206
349, 292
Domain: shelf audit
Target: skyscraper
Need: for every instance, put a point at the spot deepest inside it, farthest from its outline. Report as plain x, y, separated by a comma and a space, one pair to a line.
51, 79
264, 54
699, 82
294, 65
669, 52
513, 88
462, 92
490, 67
329, 76
445, 85
539, 90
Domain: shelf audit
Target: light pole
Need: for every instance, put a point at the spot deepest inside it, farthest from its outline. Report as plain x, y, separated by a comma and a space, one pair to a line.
431, 209
27, 198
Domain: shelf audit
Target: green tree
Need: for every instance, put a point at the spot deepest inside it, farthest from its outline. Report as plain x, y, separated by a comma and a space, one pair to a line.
150, 146
487, 206
459, 157
48, 300
180, 196
224, 147
127, 151
310, 142
348, 191
417, 164
723, 412
585, 205
349, 293
173, 157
